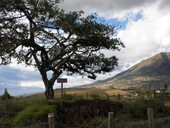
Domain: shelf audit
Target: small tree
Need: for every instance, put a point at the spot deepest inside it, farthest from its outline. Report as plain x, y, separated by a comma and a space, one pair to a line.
166, 86
38, 33
6, 95
165, 89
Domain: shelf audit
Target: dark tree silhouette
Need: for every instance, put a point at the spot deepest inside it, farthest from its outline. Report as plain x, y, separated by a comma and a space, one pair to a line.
6, 95
38, 33
166, 86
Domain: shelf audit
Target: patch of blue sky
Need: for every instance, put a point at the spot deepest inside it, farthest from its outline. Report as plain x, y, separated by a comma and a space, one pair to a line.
138, 16
121, 24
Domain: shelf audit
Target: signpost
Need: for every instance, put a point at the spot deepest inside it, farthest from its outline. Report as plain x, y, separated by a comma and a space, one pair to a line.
62, 80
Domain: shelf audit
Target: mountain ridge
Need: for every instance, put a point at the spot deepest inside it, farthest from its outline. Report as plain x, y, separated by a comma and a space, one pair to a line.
152, 72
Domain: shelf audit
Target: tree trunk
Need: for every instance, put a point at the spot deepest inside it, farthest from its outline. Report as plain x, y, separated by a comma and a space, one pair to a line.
49, 92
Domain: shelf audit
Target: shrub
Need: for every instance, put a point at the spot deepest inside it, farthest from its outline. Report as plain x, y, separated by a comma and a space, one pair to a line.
68, 97
6, 95
95, 96
96, 122
33, 115
9, 108
138, 109
77, 112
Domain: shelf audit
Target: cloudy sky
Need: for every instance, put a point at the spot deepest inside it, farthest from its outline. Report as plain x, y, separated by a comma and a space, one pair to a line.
143, 26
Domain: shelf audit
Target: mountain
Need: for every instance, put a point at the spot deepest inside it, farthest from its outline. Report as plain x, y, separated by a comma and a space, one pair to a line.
153, 72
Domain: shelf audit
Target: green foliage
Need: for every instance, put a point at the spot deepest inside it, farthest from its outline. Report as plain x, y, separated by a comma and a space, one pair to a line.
6, 95
8, 110
55, 40
123, 121
95, 96
97, 121
80, 113
33, 115
138, 109
68, 97
5, 123
78, 98
12, 109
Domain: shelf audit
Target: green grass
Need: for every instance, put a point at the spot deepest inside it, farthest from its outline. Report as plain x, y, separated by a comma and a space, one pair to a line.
125, 122
33, 110
21, 112
33, 115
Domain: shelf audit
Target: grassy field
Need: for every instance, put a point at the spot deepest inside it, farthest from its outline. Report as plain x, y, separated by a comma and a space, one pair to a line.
83, 92
85, 108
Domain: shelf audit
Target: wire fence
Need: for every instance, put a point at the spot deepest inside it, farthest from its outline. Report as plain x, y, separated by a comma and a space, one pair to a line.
159, 123
46, 125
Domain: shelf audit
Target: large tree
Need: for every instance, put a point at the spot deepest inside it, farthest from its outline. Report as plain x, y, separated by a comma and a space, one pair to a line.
38, 33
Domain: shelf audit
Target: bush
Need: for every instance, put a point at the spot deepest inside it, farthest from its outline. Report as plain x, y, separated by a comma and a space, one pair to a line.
9, 108
138, 109
68, 97
95, 96
78, 112
6, 95
97, 121
5, 123
33, 115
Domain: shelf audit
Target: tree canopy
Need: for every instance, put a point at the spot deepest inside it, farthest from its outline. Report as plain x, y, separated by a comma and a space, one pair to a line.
39, 33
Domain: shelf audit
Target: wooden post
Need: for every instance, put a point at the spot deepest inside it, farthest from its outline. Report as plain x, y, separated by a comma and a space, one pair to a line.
74, 95
154, 94
110, 117
62, 80
51, 123
87, 95
150, 118
118, 97
62, 96
107, 96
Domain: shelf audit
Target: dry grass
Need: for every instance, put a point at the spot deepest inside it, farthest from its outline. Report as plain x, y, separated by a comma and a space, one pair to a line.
82, 92
114, 92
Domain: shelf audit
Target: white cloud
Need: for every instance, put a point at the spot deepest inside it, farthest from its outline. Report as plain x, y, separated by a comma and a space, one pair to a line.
21, 66
77, 80
32, 84
145, 37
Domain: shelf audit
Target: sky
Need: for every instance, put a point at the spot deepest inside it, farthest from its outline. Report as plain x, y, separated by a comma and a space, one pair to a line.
142, 25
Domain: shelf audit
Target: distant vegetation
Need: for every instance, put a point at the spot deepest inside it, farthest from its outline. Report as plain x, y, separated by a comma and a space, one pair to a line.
6, 95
